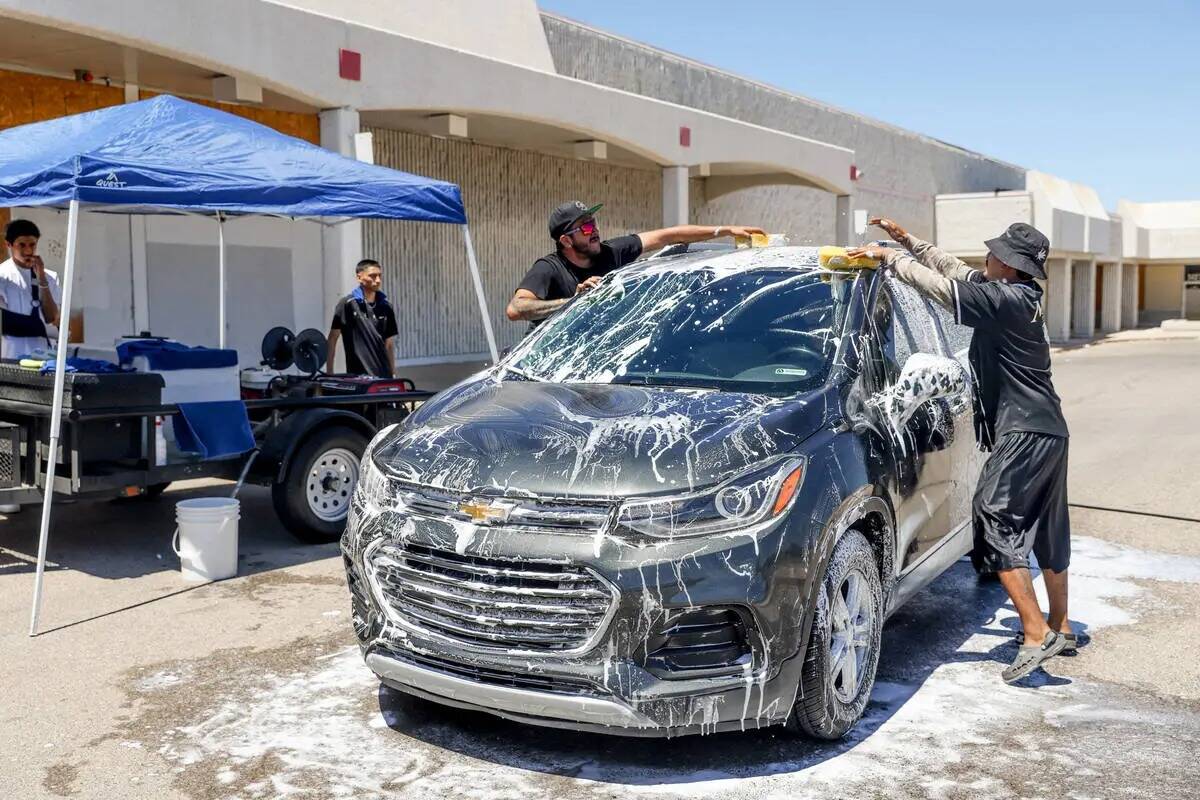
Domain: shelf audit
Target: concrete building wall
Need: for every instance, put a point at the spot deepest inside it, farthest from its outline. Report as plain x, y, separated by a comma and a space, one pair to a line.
1164, 291
902, 171
508, 196
965, 222
509, 31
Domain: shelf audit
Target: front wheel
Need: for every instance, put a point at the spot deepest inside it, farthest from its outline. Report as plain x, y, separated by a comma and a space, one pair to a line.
313, 498
843, 646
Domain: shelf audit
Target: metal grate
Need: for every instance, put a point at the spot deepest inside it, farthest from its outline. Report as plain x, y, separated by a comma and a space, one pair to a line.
494, 603
10, 467
497, 677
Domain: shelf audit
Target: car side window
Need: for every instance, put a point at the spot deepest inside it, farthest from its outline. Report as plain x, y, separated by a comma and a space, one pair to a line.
957, 337
904, 327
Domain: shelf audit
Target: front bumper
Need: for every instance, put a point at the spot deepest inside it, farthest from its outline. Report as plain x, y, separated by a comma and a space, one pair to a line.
607, 685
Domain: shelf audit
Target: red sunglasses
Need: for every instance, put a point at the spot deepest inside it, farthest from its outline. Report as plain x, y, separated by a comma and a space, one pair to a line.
586, 228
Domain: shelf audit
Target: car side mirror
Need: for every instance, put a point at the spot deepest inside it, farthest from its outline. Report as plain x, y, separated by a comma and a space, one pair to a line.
923, 378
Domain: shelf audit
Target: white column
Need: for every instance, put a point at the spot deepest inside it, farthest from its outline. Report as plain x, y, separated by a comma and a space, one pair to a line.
341, 245
1057, 300
675, 196
1129, 296
844, 222
1110, 311
141, 278
1084, 298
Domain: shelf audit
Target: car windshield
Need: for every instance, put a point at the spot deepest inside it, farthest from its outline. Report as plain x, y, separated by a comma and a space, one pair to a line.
740, 322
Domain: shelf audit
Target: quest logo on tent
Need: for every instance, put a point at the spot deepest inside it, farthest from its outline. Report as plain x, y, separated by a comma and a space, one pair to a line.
111, 181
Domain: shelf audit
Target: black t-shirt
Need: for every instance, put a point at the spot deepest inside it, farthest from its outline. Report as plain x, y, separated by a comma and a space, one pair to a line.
365, 328
553, 277
1010, 355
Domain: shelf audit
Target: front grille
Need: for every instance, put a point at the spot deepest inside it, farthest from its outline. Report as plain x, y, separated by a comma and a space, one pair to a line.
490, 602
497, 677
553, 516
360, 609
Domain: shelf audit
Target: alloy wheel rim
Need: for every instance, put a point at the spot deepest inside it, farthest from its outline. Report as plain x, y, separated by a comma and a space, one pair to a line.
852, 623
330, 483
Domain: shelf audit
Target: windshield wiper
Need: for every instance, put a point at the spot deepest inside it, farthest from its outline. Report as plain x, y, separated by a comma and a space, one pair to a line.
520, 373
668, 380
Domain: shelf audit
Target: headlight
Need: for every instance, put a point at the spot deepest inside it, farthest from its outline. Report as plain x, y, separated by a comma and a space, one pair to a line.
374, 493
749, 499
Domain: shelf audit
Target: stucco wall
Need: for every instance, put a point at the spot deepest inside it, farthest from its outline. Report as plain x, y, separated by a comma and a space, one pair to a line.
508, 30
902, 170
1164, 288
508, 196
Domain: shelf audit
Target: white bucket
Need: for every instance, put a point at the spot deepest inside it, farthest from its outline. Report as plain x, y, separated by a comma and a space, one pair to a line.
206, 538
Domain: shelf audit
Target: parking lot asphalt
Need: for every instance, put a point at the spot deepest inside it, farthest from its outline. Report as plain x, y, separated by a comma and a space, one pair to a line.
142, 686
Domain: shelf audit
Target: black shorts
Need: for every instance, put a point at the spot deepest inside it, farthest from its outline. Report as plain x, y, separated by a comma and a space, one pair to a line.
1021, 504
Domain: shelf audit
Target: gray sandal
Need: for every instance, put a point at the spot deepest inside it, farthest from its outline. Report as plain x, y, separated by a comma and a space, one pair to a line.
1069, 649
1030, 658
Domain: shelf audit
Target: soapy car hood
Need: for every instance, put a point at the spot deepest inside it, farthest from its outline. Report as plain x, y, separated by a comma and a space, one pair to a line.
591, 441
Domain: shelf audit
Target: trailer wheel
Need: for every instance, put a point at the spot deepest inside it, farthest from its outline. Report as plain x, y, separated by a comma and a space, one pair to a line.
313, 498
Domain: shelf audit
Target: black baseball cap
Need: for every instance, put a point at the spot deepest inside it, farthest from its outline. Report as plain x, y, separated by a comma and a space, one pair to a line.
1022, 247
562, 217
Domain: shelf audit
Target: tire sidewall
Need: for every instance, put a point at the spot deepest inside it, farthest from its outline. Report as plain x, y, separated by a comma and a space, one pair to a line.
819, 711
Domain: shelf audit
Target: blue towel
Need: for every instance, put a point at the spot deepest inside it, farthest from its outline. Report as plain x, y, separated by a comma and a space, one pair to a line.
163, 355
83, 365
214, 429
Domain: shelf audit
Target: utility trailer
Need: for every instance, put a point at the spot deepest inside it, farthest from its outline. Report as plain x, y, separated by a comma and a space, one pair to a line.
309, 434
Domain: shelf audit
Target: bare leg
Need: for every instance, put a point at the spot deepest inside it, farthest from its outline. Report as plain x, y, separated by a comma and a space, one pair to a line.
1056, 587
1019, 585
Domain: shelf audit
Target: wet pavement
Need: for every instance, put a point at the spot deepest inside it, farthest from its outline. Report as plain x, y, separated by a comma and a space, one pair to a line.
144, 687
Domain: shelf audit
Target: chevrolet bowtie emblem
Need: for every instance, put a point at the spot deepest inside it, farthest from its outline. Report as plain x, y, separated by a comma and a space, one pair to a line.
486, 513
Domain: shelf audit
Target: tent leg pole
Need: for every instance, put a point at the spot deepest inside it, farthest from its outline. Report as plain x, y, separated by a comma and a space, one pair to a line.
483, 311
221, 280
60, 358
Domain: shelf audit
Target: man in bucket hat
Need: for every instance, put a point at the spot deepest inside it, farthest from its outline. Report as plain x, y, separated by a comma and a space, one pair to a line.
1020, 504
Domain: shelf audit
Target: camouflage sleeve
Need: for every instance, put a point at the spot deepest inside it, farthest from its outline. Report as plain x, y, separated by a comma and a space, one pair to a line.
927, 281
938, 260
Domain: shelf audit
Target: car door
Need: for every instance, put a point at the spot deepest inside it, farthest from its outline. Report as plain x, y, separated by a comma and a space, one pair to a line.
966, 459
902, 326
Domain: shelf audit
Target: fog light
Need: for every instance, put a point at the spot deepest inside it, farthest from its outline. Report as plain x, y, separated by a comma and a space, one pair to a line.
700, 643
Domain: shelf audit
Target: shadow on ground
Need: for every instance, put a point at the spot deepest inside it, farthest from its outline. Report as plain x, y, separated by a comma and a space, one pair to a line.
926, 633
132, 538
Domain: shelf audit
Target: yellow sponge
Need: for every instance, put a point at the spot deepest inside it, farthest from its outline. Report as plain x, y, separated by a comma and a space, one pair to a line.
831, 257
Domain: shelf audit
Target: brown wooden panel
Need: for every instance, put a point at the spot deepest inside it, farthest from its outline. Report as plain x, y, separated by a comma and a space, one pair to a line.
26, 98
302, 126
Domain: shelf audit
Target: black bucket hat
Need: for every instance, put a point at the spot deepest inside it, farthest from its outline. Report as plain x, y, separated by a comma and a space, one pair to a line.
1022, 247
562, 217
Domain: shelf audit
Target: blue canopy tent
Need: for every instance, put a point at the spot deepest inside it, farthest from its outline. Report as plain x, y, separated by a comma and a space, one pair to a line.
166, 155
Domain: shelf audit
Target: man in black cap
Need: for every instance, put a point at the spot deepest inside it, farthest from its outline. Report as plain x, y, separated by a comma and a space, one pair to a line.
581, 259
1020, 504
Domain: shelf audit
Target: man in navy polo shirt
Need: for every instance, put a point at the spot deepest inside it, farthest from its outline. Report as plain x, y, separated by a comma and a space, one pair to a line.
366, 323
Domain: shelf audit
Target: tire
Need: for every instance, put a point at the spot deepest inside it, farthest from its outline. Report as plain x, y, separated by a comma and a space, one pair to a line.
313, 498
827, 707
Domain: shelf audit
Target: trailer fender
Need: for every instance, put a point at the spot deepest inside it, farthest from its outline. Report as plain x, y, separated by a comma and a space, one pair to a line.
285, 439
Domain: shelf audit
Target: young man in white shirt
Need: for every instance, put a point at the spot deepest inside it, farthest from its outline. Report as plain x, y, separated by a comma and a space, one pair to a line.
29, 298
29, 294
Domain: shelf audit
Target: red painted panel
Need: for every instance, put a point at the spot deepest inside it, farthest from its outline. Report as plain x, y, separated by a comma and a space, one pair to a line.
350, 65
